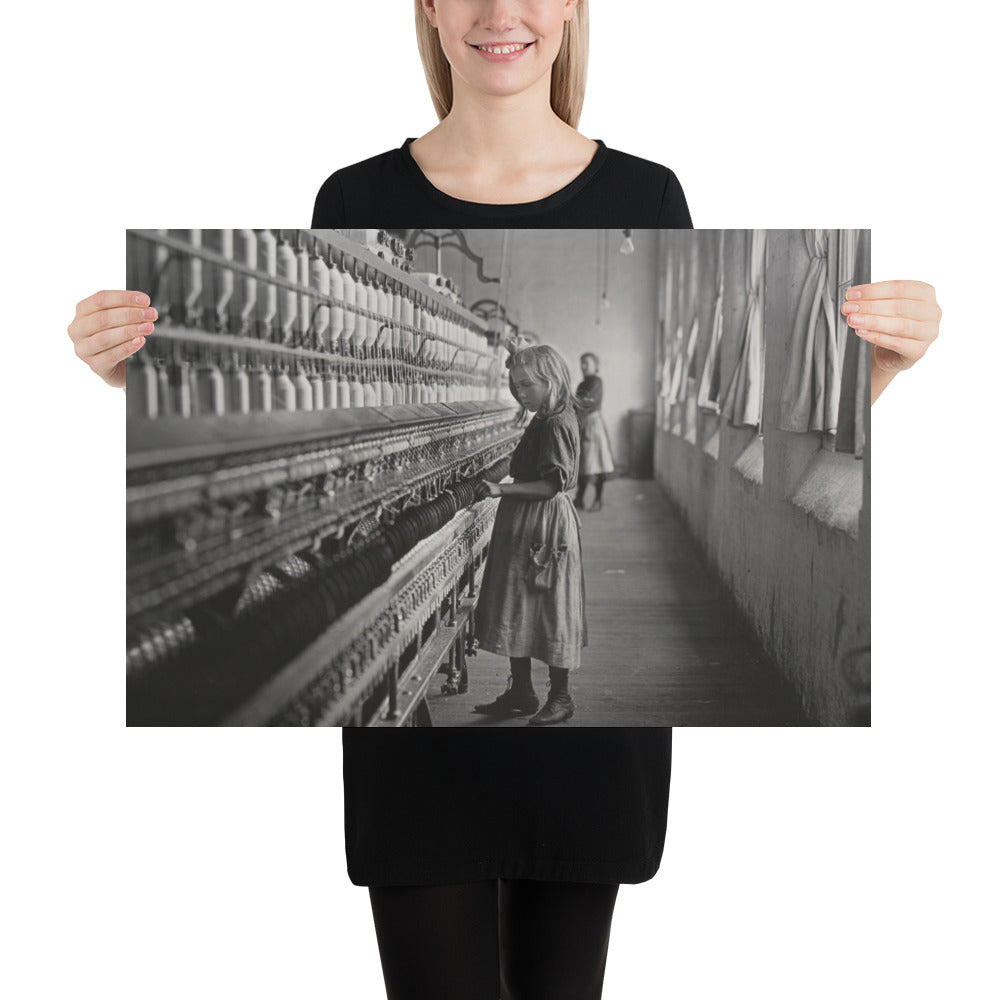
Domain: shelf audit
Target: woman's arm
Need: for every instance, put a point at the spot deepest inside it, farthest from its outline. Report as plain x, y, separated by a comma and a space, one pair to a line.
880, 378
900, 319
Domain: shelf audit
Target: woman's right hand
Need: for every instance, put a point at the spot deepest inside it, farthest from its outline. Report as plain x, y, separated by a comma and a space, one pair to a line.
110, 327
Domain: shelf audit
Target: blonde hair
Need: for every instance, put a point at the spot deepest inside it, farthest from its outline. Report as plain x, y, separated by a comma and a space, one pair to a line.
569, 71
547, 365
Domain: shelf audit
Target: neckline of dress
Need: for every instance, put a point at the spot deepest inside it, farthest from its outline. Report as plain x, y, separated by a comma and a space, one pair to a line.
516, 208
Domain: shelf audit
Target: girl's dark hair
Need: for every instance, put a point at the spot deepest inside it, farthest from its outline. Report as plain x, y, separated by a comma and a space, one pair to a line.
590, 354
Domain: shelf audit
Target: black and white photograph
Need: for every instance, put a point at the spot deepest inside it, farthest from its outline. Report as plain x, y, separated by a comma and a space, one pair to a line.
498, 478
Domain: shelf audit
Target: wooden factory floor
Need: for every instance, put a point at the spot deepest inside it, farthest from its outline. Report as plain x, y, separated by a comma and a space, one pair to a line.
665, 646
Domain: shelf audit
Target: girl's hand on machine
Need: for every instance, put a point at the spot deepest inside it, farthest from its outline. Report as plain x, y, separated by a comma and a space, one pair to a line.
900, 319
486, 489
109, 327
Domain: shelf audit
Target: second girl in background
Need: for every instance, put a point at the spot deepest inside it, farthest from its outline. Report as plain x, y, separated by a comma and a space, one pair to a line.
596, 458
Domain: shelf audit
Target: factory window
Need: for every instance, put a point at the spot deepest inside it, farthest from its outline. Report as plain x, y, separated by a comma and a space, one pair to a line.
690, 386
710, 384
853, 268
811, 390
743, 401
826, 379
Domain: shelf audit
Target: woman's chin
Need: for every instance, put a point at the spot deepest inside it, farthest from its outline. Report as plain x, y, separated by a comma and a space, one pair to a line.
502, 80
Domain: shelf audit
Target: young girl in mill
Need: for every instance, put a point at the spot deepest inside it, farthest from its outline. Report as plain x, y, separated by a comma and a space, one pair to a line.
532, 599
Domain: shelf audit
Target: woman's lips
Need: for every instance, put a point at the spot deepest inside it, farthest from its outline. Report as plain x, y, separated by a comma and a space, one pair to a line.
507, 52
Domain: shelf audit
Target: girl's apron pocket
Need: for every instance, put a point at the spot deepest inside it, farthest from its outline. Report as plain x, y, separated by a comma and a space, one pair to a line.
545, 564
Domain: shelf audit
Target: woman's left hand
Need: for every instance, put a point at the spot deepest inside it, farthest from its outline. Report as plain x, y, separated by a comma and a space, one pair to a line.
494, 488
900, 319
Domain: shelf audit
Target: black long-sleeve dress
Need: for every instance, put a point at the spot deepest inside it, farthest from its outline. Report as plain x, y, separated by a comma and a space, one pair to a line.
431, 805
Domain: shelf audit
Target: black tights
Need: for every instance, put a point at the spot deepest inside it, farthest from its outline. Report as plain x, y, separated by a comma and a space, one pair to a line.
499, 939
582, 482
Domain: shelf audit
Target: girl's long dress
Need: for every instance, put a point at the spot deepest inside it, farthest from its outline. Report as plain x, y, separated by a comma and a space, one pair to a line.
596, 456
514, 615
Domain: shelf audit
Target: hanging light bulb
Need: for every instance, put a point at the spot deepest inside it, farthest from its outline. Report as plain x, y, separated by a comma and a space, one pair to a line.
627, 247
605, 301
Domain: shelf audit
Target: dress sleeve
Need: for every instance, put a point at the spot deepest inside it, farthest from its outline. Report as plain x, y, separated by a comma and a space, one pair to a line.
559, 452
328, 210
674, 212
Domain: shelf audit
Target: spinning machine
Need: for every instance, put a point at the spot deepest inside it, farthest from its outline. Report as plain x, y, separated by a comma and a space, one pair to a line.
305, 428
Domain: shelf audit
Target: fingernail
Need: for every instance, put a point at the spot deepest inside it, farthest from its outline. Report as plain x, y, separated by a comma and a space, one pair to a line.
853, 293
850, 307
856, 320
145, 328
140, 300
137, 341
149, 314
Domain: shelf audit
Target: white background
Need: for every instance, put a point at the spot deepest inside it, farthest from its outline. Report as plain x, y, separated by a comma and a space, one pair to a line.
209, 864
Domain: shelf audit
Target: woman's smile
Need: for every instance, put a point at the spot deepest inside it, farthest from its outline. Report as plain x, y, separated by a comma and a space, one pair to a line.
501, 52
